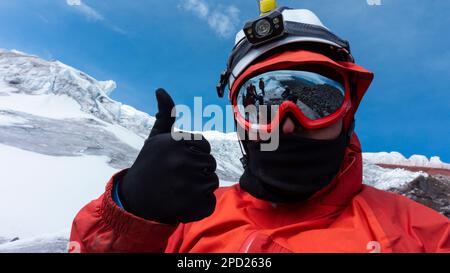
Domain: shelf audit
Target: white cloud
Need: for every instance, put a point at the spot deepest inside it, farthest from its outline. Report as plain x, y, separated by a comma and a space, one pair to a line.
198, 7
87, 10
74, 2
93, 15
223, 21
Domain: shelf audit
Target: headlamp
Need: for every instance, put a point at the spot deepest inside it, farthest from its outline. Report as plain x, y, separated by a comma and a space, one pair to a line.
277, 28
264, 29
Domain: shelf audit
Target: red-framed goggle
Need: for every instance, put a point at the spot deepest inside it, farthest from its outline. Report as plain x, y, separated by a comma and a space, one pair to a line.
311, 87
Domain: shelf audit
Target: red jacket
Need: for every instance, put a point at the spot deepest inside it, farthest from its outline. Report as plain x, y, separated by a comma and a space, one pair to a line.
344, 217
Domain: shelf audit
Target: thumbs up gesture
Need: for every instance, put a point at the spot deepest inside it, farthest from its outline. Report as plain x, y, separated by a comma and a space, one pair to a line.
171, 181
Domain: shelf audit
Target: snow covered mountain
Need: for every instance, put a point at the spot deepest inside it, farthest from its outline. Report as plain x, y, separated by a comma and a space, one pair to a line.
62, 137
395, 158
30, 75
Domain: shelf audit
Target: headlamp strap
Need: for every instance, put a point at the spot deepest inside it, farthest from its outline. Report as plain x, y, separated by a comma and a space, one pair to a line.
223, 82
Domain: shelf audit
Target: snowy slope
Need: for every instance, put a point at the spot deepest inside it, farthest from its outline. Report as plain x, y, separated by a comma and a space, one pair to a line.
48, 243
62, 137
41, 193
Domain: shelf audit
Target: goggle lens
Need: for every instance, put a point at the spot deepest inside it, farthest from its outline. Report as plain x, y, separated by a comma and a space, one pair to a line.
317, 96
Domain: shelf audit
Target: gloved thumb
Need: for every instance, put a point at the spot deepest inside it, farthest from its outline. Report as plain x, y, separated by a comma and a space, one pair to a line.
164, 119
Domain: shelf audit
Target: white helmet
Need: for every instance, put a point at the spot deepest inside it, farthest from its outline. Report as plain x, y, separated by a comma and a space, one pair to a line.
298, 26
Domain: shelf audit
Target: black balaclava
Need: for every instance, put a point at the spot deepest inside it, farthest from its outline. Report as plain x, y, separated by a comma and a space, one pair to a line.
295, 171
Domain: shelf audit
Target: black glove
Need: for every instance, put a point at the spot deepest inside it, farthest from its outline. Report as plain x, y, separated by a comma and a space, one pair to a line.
171, 181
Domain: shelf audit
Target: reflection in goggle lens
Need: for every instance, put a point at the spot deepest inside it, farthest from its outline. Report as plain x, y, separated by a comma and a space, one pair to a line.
317, 96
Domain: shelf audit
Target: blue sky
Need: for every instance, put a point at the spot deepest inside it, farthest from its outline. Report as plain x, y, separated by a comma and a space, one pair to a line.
182, 45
